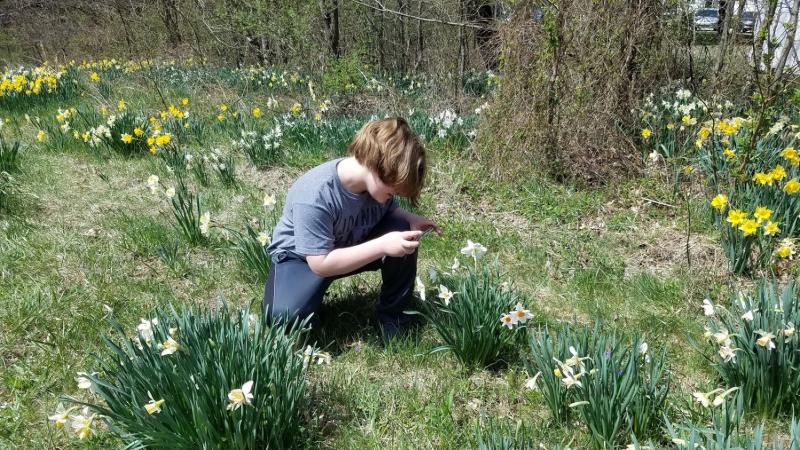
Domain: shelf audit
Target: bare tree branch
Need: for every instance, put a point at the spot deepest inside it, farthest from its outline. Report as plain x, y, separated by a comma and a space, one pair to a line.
382, 8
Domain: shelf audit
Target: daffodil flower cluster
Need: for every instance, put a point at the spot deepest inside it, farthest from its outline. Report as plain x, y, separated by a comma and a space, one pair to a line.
518, 316
83, 424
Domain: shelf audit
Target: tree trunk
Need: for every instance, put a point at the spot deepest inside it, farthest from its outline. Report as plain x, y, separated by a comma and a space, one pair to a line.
124, 19
462, 48
792, 27
726, 33
762, 36
330, 14
171, 22
420, 39
404, 41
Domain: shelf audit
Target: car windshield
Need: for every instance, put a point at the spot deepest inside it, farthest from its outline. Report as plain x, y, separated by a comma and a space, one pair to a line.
748, 15
707, 13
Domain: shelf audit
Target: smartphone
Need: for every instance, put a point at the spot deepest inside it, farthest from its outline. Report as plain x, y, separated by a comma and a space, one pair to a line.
425, 233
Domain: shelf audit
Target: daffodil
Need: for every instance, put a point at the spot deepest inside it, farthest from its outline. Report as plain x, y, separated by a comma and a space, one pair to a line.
456, 265
763, 178
420, 288
721, 336
736, 217
708, 307
205, 223
240, 396
445, 294
785, 249
728, 153
766, 339
170, 192
152, 183
778, 173
269, 201
61, 417
579, 403
507, 320
121, 105
256, 112
530, 384
40, 136
137, 131
474, 250
84, 382
762, 213
719, 201
153, 406
575, 360
727, 353
720, 399
520, 314
145, 329
169, 347
82, 424
748, 316
704, 398
771, 228
646, 133
263, 238
749, 227
126, 138
792, 186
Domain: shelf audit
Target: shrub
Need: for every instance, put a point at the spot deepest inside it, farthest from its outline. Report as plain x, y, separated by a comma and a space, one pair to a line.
219, 380
263, 150
618, 386
753, 345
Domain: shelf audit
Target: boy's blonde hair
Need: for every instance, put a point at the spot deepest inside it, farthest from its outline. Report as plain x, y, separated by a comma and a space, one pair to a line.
391, 149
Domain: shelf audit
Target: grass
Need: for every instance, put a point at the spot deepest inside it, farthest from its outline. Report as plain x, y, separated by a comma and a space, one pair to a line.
85, 232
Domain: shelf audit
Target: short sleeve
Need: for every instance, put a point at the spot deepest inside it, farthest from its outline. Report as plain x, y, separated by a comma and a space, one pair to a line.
313, 229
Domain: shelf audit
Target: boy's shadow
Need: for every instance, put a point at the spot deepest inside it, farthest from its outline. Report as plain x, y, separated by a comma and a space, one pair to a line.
346, 318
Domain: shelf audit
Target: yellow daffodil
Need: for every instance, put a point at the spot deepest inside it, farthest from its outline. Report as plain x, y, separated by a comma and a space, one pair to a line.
220, 117
763, 178
153, 406
137, 131
789, 153
789, 331
646, 133
687, 170
792, 186
40, 136
121, 105
785, 250
778, 173
762, 213
94, 76
296, 108
748, 227
688, 120
719, 202
223, 107
720, 399
704, 398
185, 101
728, 153
771, 228
126, 138
557, 372
670, 126
163, 139
256, 112
736, 217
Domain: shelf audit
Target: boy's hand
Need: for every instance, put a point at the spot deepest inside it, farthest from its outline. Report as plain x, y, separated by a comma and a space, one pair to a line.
400, 243
422, 223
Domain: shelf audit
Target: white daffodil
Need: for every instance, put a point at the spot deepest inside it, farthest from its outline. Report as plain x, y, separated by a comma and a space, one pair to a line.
654, 157
727, 353
269, 201
507, 320
643, 348
241, 396
145, 328
82, 424
170, 192
153, 406
704, 398
263, 238
720, 399
530, 384
84, 382
708, 307
169, 347
766, 339
748, 316
575, 360
420, 288
456, 265
789, 331
205, 222
445, 294
580, 403
721, 336
520, 314
152, 183
61, 417
707, 334
570, 380
473, 250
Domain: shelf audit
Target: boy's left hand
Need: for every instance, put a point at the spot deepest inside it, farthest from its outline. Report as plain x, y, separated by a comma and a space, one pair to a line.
423, 223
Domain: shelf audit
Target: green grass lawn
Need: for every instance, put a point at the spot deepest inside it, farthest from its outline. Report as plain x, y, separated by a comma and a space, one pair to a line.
85, 240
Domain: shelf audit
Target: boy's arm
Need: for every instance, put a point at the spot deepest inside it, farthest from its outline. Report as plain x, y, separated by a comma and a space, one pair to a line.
345, 260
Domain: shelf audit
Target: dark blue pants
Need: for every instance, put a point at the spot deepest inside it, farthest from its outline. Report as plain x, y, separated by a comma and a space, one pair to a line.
293, 290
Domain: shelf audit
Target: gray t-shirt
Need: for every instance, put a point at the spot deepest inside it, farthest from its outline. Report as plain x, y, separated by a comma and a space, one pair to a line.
320, 214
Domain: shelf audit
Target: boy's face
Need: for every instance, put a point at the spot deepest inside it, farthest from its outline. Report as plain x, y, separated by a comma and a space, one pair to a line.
378, 189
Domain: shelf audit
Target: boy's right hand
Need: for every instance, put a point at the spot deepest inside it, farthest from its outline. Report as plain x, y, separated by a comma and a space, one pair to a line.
400, 243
